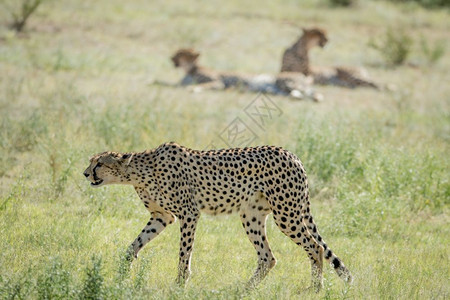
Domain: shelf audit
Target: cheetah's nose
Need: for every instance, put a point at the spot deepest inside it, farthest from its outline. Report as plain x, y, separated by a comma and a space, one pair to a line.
86, 174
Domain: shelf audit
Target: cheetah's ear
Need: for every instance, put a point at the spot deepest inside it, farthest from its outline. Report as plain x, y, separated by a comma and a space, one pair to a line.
195, 54
126, 159
108, 159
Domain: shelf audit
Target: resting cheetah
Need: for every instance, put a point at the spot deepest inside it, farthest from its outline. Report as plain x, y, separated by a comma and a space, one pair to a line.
296, 59
290, 84
177, 182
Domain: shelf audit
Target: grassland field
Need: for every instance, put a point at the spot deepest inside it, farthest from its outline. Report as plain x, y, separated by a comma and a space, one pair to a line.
78, 80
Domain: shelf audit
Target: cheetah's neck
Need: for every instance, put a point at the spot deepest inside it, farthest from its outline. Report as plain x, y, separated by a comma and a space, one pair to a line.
139, 168
301, 51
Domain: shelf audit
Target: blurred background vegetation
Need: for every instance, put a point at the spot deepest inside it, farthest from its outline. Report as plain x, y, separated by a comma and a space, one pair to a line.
424, 3
76, 80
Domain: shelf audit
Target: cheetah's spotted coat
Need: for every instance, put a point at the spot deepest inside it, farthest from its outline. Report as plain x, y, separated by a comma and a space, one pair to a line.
177, 182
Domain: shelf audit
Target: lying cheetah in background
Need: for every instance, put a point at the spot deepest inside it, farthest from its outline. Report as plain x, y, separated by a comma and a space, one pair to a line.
296, 59
177, 182
290, 84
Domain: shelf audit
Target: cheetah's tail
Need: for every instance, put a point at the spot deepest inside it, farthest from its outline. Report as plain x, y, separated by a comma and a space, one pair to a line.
337, 264
353, 80
365, 83
334, 261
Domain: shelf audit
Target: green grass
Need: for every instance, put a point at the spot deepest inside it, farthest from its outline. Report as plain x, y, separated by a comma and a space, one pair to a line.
77, 83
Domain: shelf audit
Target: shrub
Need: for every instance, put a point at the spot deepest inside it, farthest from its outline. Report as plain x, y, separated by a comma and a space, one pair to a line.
343, 3
54, 283
427, 3
21, 12
93, 283
432, 53
394, 46
19, 287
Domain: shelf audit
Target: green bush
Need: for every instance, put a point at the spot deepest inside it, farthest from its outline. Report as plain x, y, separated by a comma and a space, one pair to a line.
21, 11
432, 53
343, 3
18, 287
54, 283
395, 46
427, 3
93, 283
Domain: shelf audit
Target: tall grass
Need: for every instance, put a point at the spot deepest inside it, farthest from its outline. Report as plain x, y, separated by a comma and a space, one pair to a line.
366, 187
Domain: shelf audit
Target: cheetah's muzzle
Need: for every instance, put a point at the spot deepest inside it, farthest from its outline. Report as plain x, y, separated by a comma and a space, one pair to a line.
98, 182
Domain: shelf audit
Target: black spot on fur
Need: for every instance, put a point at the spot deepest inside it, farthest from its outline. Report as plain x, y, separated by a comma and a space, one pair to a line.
336, 263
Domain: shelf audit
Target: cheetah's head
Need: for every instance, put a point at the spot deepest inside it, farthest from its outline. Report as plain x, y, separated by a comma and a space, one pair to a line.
315, 37
108, 168
185, 58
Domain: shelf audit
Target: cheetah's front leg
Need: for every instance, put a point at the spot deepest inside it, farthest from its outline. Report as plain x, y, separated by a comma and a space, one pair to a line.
188, 224
155, 225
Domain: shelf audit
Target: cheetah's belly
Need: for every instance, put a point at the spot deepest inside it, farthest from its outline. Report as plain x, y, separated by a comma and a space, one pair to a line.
219, 201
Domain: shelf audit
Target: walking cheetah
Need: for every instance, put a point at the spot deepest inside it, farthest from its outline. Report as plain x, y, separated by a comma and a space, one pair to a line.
291, 84
177, 182
296, 59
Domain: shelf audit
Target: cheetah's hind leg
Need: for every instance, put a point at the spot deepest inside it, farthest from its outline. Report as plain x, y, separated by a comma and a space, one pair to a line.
294, 228
253, 216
